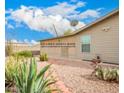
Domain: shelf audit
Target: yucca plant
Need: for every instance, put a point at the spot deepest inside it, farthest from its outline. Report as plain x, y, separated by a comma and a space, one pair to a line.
11, 66
30, 81
43, 57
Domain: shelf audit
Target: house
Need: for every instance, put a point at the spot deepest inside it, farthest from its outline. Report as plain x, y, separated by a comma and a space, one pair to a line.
99, 38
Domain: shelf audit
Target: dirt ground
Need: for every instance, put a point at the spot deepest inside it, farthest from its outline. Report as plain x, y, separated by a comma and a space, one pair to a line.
77, 77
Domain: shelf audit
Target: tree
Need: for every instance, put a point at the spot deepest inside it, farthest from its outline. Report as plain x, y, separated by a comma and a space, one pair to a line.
68, 32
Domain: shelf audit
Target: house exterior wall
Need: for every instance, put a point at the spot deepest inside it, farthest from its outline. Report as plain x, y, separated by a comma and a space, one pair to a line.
103, 43
56, 51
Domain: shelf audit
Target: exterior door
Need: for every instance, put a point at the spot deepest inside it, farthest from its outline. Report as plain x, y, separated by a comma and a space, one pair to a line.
64, 51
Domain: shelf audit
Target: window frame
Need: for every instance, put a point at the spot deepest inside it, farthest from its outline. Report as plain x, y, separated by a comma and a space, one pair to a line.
82, 43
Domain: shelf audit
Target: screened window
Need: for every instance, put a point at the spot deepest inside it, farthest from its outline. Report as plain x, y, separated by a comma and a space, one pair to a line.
85, 43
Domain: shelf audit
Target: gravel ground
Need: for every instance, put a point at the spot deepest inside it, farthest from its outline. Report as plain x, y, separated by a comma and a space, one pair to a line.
59, 84
78, 80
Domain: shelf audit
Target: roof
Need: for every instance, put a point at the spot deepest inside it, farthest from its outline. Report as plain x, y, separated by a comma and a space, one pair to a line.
87, 26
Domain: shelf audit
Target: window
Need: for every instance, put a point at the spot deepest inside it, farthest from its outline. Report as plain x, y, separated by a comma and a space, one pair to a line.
85, 43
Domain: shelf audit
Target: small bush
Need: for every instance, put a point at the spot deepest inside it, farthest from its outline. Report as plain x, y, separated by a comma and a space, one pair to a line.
29, 81
7, 92
43, 57
9, 49
23, 54
11, 66
107, 74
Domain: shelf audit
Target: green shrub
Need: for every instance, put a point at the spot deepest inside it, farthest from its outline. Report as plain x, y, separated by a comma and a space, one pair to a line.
107, 74
43, 57
29, 81
11, 66
9, 49
23, 54
68, 32
7, 92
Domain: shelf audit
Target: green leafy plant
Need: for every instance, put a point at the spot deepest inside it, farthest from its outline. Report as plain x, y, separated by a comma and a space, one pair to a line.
9, 48
11, 66
43, 57
68, 32
23, 54
7, 92
30, 81
107, 74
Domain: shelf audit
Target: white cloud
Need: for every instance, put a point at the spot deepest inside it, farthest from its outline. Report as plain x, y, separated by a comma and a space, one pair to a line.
35, 19
80, 4
20, 41
38, 12
14, 41
33, 42
26, 41
42, 19
8, 11
99, 9
64, 9
79, 25
90, 13
10, 26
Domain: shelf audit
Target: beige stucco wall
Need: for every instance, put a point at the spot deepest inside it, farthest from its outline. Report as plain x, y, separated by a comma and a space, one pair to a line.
56, 52
103, 43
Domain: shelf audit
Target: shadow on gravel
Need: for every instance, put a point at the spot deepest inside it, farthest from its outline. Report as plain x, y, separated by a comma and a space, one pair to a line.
89, 77
93, 78
80, 64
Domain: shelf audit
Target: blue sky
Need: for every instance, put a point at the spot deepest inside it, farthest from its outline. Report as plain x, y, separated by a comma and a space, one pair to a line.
32, 20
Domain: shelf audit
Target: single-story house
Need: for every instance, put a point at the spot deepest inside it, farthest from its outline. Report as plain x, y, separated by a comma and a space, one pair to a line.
99, 38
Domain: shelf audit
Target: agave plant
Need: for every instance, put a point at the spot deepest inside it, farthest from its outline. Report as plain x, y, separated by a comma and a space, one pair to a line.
117, 72
30, 81
98, 72
107, 74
